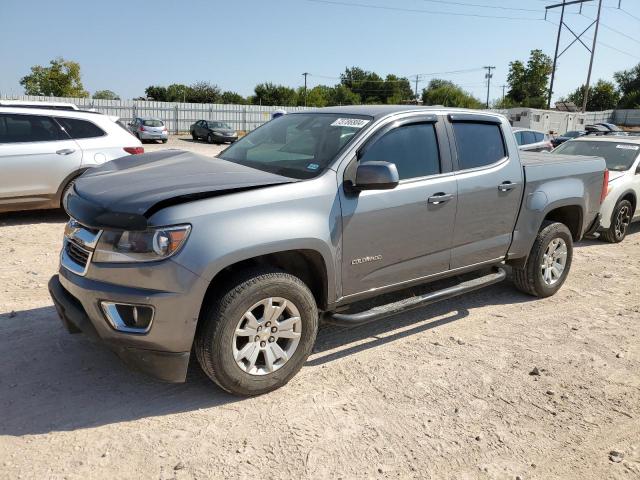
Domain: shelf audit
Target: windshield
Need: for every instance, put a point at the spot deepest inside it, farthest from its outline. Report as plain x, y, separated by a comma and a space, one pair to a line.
619, 156
152, 123
218, 125
300, 145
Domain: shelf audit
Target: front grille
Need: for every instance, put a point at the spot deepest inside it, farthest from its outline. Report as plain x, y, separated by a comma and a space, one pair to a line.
78, 254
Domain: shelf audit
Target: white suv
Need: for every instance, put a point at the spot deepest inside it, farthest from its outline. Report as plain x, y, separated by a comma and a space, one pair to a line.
622, 154
42, 152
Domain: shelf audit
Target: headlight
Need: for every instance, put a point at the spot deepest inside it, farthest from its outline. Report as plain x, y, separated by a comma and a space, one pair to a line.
146, 246
218, 134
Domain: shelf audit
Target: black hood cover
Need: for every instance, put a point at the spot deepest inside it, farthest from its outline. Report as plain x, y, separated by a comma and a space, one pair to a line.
125, 192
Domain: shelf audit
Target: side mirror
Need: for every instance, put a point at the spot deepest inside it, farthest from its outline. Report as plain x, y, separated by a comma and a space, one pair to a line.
376, 176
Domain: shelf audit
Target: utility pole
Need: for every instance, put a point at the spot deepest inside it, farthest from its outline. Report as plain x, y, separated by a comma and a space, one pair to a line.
593, 51
417, 78
503, 87
305, 87
578, 38
488, 76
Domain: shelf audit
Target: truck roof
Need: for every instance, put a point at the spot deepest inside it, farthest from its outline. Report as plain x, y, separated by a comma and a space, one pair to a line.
380, 111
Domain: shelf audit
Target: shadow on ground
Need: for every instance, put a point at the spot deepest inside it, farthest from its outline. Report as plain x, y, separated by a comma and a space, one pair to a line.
53, 381
33, 216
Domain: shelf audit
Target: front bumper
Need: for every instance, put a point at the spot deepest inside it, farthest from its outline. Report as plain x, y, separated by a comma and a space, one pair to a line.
162, 353
225, 138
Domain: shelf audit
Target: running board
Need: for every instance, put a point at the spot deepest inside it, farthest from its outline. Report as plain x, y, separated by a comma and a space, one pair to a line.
344, 319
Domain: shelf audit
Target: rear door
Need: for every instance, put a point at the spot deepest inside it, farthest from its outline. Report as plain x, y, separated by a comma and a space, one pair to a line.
36, 157
490, 187
91, 139
395, 236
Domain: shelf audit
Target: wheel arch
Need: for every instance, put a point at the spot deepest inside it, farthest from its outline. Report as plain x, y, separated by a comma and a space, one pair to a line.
69, 178
306, 264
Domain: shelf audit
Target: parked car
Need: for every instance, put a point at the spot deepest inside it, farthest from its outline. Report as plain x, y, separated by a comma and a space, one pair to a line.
238, 257
532, 140
213, 131
149, 129
43, 151
622, 155
604, 129
559, 140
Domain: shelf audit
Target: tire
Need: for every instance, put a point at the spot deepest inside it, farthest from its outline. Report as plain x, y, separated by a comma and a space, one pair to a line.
530, 278
194, 136
620, 221
164, 141
219, 350
66, 188
209, 138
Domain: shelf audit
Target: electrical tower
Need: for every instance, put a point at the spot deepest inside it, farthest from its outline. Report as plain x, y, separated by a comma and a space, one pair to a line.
577, 38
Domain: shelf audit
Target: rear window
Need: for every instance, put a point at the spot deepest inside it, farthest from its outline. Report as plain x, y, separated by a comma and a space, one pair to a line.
152, 123
78, 129
16, 128
618, 155
478, 144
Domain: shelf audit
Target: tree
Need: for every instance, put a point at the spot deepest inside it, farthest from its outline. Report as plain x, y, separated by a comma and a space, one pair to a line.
105, 95
157, 93
60, 79
448, 94
203, 92
602, 96
528, 85
397, 90
177, 92
232, 97
629, 85
369, 86
342, 95
271, 94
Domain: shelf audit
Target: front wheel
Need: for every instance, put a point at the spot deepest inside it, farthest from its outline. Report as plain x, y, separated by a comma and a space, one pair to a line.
257, 335
549, 261
620, 221
209, 138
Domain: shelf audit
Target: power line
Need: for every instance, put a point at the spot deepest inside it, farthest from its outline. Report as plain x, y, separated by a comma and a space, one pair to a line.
415, 10
624, 11
496, 7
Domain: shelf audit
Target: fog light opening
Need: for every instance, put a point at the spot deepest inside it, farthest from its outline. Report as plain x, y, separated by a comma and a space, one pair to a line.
128, 318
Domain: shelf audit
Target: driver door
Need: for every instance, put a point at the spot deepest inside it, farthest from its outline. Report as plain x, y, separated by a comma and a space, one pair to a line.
394, 236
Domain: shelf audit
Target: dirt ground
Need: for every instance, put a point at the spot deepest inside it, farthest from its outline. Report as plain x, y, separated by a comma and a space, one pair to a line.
443, 392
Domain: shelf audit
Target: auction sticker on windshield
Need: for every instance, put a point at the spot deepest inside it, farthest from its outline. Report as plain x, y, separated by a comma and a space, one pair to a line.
350, 122
628, 147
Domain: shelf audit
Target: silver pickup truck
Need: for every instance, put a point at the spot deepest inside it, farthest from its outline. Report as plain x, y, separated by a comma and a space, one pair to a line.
237, 258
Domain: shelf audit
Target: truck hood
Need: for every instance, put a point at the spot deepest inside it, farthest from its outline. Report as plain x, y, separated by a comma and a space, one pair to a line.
124, 193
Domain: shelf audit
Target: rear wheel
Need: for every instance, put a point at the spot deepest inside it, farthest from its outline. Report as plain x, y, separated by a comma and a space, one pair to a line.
258, 333
549, 261
194, 136
620, 221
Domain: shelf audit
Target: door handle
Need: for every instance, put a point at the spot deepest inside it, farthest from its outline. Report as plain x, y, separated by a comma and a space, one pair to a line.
439, 198
507, 186
65, 151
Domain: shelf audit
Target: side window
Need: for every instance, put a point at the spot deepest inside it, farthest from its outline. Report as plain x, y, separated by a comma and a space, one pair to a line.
529, 137
15, 128
413, 148
518, 136
78, 129
539, 136
478, 144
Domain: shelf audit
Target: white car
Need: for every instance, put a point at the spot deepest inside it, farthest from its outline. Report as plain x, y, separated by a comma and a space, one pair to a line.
622, 155
42, 152
36, 104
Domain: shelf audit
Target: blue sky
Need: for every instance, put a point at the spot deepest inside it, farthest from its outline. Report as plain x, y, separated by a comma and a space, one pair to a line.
127, 45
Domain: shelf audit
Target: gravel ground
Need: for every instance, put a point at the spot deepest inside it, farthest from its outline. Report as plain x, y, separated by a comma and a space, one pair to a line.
493, 385
185, 142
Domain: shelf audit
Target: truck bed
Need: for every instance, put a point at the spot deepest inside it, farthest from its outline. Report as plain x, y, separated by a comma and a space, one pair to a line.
539, 158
